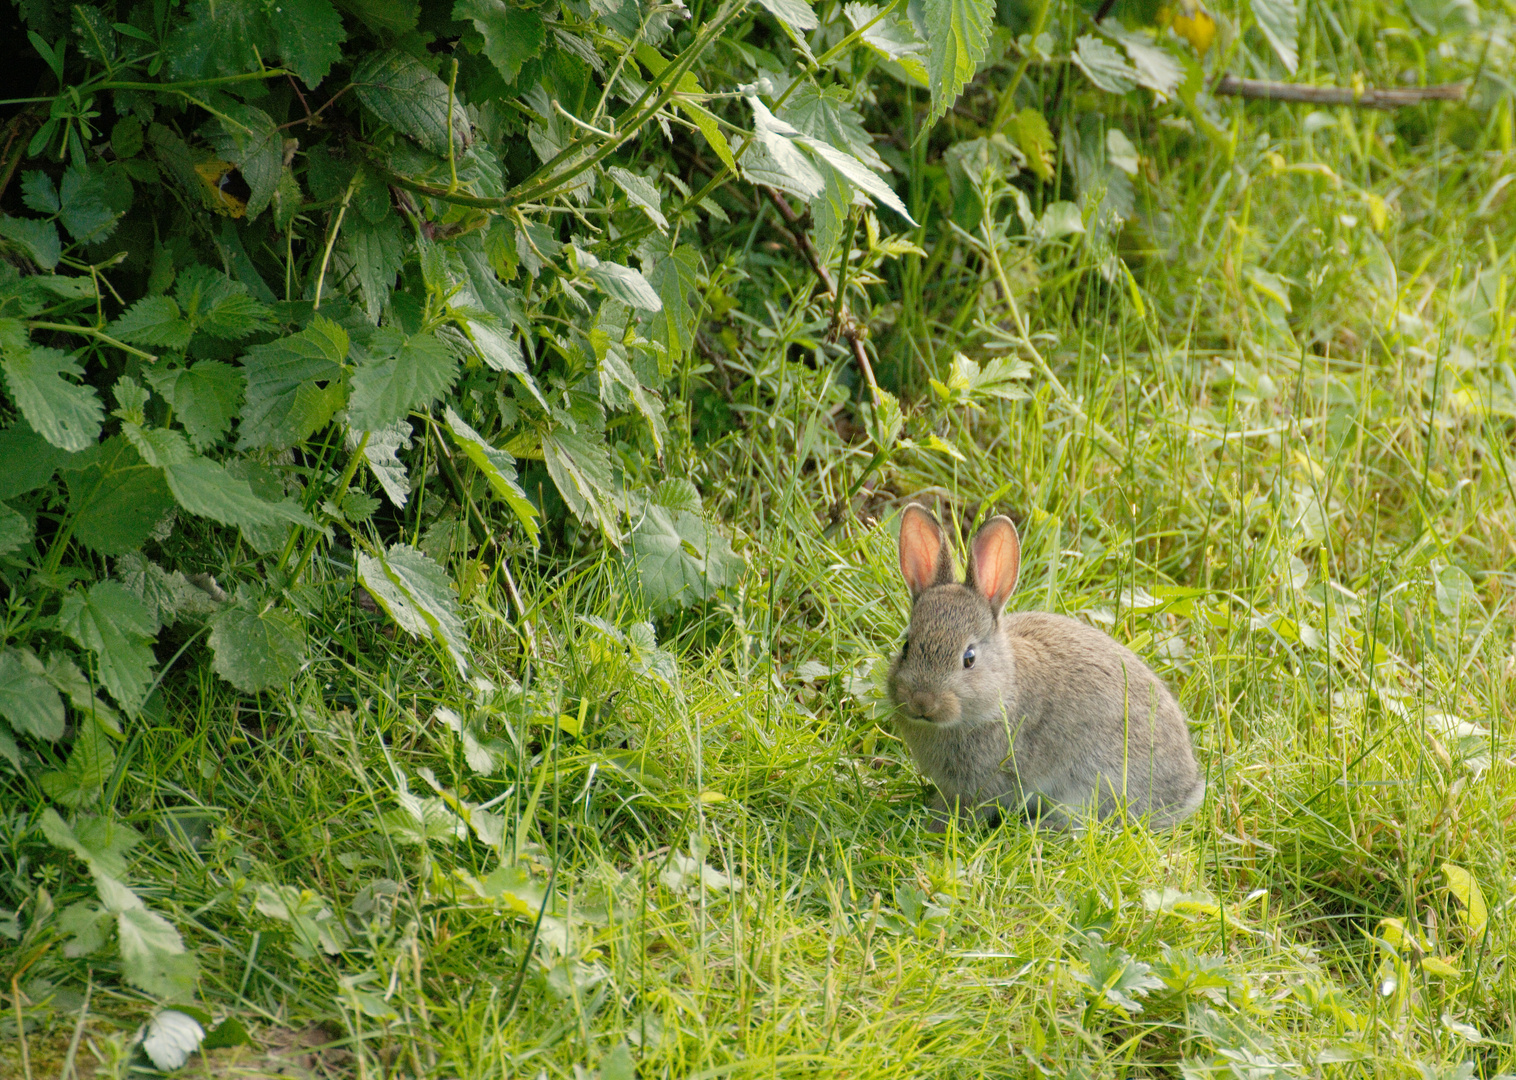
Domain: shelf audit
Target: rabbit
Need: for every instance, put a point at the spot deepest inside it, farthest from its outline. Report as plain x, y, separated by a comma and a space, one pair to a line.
1029, 712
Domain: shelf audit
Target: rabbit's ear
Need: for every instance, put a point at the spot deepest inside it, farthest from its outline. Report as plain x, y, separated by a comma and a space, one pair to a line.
924, 557
995, 562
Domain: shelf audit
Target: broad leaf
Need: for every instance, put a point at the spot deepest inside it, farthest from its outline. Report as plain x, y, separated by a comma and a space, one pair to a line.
796, 15
152, 953
511, 36
1104, 65
62, 412
675, 276
16, 529
206, 489
827, 115
286, 401
27, 700
38, 238
216, 305
257, 646
581, 471
90, 762
378, 251
27, 460
782, 164
621, 283
90, 201
1280, 22
153, 321
498, 469
220, 37
892, 37
115, 498
957, 33
249, 139
417, 594
641, 193
309, 35
1156, 67
170, 1039
404, 374
381, 453
112, 623
204, 397
679, 558
404, 93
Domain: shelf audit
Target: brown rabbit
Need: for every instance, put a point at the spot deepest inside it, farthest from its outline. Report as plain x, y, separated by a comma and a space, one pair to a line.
1029, 712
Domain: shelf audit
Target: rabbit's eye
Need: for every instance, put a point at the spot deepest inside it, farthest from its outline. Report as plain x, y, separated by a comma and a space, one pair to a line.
968, 657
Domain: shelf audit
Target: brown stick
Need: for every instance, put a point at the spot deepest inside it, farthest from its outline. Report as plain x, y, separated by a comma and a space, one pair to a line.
1368, 98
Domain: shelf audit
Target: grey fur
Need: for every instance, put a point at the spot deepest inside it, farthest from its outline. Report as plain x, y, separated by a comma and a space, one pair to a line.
1054, 717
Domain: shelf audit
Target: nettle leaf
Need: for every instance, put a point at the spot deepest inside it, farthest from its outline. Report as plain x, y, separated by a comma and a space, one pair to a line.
827, 115
1036, 141
404, 93
88, 200
796, 15
680, 558
206, 489
204, 397
115, 498
64, 413
15, 529
152, 952
90, 762
780, 163
1156, 67
892, 37
257, 646
511, 36
675, 276
38, 238
310, 36
858, 174
1104, 66
641, 193
498, 469
216, 305
418, 595
294, 386
581, 471
381, 451
27, 460
957, 33
620, 282
112, 623
1280, 22
170, 1039
403, 374
38, 192
378, 251
27, 700
249, 139
220, 37
153, 321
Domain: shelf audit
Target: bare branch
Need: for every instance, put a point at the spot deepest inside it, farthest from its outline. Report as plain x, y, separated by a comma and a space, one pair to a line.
1369, 98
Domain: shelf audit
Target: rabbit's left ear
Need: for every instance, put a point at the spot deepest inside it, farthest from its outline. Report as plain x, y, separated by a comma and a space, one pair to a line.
995, 561
924, 557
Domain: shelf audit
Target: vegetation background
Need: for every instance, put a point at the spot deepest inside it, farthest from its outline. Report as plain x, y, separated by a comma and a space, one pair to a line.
448, 462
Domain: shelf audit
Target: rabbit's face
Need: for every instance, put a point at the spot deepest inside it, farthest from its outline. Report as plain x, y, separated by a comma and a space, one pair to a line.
952, 665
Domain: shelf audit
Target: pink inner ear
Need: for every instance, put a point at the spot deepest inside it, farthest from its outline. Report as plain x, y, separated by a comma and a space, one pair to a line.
997, 561
920, 543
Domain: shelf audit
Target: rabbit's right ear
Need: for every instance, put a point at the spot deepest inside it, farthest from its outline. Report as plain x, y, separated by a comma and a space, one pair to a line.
995, 561
924, 557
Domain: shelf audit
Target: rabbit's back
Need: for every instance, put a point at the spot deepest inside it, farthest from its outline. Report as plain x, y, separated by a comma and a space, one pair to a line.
1089, 717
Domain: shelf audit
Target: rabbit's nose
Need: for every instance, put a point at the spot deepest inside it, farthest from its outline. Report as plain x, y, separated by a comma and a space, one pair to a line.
924, 703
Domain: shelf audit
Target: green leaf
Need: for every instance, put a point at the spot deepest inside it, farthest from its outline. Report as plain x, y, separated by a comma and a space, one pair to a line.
581, 471
417, 594
1463, 885
679, 558
796, 15
1036, 141
382, 454
64, 413
511, 36
112, 623
858, 175
220, 37
204, 397
249, 140
171, 1037
404, 93
285, 404
641, 193
957, 33
892, 37
378, 251
152, 954
102, 843
90, 762
153, 321
216, 305
27, 700
1104, 65
675, 276
498, 469
38, 238
27, 460
88, 200
15, 529
1156, 67
38, 192
780, 164
405, 374
256, 646
827, 115
310, 36
115, 498
1280, 22
620, 282
126, 137
206, 489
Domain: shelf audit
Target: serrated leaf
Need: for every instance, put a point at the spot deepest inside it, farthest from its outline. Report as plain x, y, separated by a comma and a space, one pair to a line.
152, 954
827, 115
204, 488
27, 700
404, 93
86, 202
38, 192
285, 404
15, 529
1104, 66
171, 1038
112, 623
378, 255
418, 595
216, 305
114, 497
858, 174
511, 36
1036, 141
89, 765
64, 413
1280, 22
796, 15
621, 283
781, 163
153, 321
581, 471
675, 276
407, 374
256, 646
38, 238
679, 558
381, 453
498, 469
219, 37
27, 460
892, 37
204, 397
250, 140
309, 35
957, 34
1156, 67
641, 193
1463, 885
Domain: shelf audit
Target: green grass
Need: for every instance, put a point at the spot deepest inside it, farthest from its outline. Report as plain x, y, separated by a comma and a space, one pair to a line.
1304, 518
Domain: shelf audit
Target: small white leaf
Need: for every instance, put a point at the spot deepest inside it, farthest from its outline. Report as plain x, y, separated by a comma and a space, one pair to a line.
171, 1038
